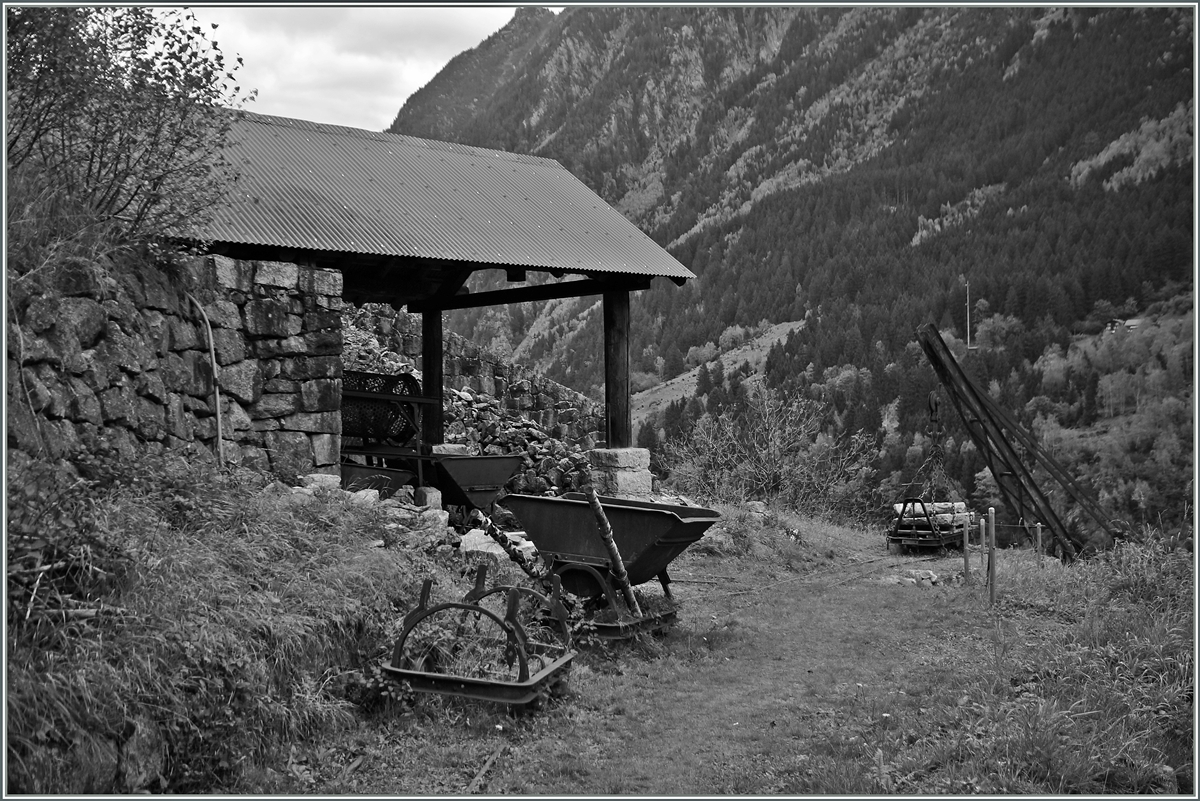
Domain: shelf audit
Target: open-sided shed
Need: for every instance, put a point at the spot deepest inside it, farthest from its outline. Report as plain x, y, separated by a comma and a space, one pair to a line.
407, 221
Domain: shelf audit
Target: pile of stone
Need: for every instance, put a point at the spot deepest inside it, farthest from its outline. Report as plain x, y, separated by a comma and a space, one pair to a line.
378, 339
415, 519
915, 578
479, 424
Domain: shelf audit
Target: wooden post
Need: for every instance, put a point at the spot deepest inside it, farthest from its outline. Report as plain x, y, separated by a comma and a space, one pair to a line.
966, 553
432, 376
1038, 531
991, 556
983, 546
606, 535
618, 420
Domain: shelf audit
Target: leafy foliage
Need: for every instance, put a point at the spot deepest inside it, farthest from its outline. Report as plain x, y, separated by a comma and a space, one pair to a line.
115, 118
772, 447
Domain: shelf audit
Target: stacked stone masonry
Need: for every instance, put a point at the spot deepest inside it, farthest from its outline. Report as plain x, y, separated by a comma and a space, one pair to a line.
380, 339
119, 359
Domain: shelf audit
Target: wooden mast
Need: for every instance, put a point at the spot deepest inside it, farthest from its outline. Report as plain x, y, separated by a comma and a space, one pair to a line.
431, 375
618, 421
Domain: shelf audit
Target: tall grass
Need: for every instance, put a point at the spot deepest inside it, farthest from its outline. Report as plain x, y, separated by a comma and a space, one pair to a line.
223, 620
1103, 704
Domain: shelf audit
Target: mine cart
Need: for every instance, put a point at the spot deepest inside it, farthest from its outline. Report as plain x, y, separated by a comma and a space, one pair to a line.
381, 425
473, 481
921, 524
648, 536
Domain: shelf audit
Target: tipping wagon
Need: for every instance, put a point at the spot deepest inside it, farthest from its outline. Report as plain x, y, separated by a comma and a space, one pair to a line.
648, 536
515, 644
382, 448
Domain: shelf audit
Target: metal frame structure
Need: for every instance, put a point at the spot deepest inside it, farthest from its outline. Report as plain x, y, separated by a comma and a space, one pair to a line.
993, 430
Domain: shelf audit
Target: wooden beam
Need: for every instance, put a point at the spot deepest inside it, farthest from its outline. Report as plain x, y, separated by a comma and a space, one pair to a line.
452, 286
499, 297
618, 422
431, 374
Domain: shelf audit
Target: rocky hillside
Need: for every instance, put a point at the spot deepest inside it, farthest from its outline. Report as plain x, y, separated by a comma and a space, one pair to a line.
450, 102
682, 387
763, 145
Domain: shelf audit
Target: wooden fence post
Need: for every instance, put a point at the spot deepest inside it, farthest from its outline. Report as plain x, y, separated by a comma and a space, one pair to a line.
1038, 529
983, 547
991, 556
966, 553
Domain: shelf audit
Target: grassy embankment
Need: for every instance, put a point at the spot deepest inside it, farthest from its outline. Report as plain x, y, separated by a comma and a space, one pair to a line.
238, 625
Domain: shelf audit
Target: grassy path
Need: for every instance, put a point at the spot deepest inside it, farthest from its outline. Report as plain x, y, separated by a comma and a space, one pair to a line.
794, 686
750, 701
833, 681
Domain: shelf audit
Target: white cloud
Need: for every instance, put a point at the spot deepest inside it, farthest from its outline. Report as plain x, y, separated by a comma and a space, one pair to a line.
346, 65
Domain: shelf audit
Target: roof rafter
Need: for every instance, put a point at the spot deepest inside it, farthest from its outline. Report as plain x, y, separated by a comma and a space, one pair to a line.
524, 294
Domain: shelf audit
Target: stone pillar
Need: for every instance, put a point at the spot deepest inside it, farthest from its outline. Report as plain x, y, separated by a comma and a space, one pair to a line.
621, 472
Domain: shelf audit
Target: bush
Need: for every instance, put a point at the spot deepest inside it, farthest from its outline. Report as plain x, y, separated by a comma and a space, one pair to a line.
116, 122
773, 449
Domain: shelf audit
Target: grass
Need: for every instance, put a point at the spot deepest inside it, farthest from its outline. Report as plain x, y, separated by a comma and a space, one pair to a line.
225, 615
822, 686
245, 626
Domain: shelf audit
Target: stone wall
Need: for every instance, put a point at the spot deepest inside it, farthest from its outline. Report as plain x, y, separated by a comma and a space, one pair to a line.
380, 339
117, 357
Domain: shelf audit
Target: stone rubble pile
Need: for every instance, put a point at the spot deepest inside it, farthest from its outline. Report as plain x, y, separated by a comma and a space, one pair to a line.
482, 425
379, 339
920, 578
414, 521
479, 423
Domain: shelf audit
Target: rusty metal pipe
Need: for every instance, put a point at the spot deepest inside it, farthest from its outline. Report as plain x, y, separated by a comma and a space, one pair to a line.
212, 357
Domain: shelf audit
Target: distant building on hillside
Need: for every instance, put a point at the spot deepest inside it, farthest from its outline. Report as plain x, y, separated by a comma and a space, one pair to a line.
1115, 324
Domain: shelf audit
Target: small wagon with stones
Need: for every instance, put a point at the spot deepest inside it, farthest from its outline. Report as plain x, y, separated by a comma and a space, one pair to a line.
928, 524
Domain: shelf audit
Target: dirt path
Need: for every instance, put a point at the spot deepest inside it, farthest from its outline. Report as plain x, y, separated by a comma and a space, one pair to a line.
765, 685
772, 665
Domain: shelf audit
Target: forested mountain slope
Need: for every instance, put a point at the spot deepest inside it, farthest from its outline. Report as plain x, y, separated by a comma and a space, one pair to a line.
868, 161
858, 168
465, 86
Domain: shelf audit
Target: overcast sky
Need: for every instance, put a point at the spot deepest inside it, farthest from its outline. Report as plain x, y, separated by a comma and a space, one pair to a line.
346, 65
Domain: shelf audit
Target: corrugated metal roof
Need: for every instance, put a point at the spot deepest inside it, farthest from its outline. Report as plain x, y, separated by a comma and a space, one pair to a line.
326, 187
